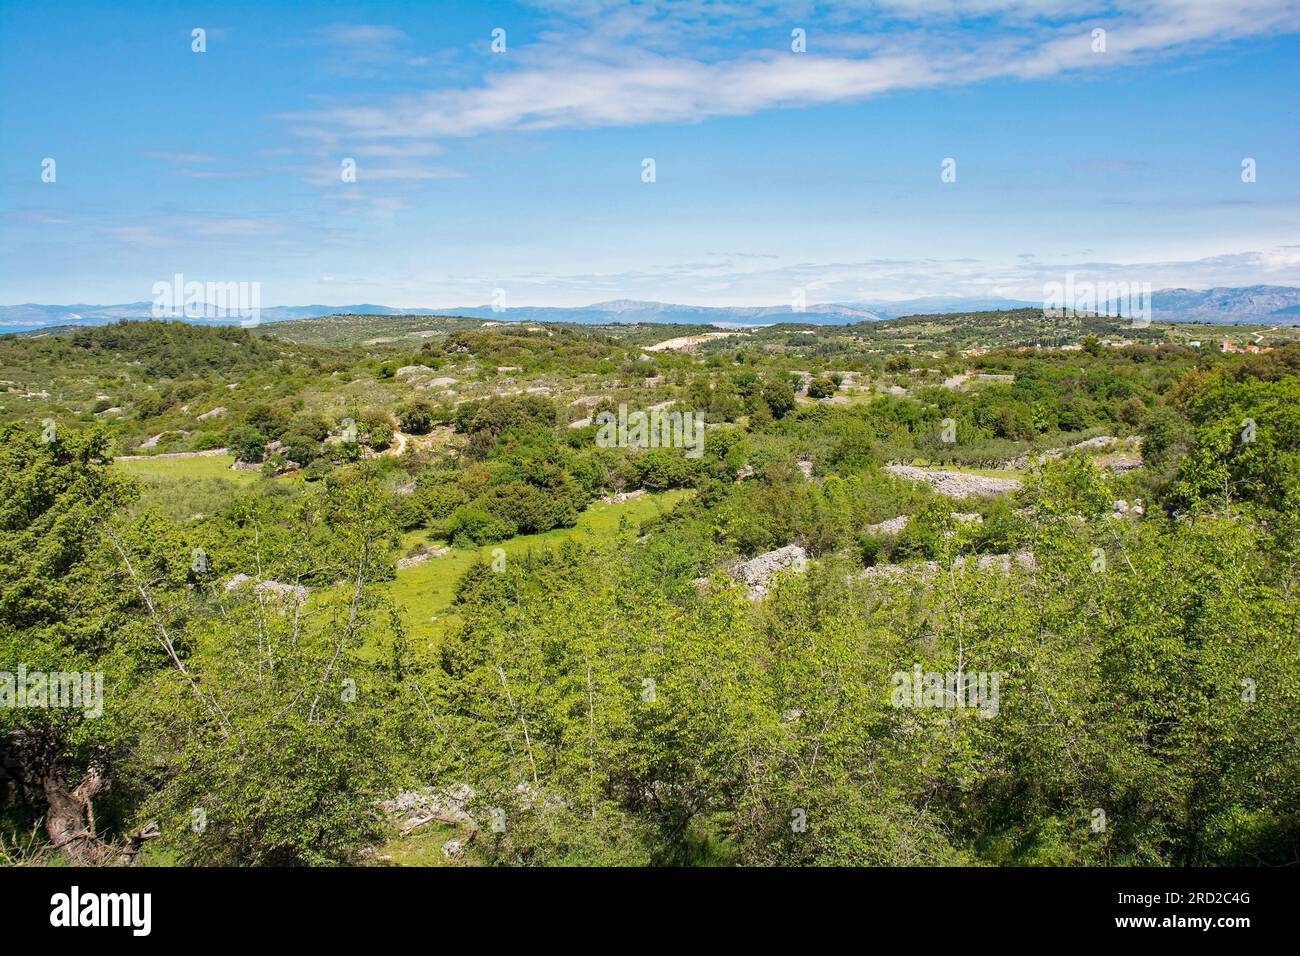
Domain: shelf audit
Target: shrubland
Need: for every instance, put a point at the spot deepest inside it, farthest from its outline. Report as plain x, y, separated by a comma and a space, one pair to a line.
621, 698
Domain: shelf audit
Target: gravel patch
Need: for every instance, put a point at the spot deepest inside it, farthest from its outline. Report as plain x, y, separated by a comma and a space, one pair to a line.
957, 484
757, 572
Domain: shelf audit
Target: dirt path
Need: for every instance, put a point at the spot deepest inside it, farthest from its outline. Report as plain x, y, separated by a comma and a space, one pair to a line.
398, 446
686, 341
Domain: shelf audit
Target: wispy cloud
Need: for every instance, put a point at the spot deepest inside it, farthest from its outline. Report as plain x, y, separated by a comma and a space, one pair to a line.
328, 173
398, 150
608, 71
186, 159
363, 50
728, 282
197, 165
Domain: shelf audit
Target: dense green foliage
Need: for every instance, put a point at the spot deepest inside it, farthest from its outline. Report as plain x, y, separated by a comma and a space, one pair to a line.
623, 698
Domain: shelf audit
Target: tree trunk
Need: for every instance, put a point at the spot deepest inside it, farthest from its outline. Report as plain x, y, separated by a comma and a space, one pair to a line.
70, 817
33, 759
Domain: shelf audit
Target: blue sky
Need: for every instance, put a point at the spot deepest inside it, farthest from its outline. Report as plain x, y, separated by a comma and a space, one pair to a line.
522, 170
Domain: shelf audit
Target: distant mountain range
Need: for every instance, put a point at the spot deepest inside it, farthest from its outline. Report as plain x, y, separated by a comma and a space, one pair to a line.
1270, 304
17, 318
630, 311
1273, 305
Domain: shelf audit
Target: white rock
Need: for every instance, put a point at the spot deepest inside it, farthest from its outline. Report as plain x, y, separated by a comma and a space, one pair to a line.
422, 805
271, 590
892, 526
757, 572
956, 484
622, 496
413, 560
153, 441
983, 562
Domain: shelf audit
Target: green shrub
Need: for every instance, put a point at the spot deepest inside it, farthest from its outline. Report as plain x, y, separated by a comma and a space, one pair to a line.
873, 548
779, 396
302, 450
527, 508
663, 468
246, 444
416, 417
272, 421
821, 387
313, 426
471, 525
318, 469
374, 429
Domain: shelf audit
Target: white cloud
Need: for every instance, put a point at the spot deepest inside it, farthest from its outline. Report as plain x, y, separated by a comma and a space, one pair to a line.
398, 150
180, 158
605, 72
327, 173
364, 49
726, 282
365, 35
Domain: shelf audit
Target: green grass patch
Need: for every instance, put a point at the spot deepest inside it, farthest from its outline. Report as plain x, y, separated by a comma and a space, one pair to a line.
184, 487
210, 466
421, 847
425, 591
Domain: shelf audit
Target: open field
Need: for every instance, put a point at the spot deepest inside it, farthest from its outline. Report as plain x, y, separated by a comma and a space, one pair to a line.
425, 591
187, 469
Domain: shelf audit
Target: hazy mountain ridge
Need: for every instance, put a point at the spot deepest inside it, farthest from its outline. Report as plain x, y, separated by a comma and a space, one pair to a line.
1248, 304
30, 315
1256, 303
